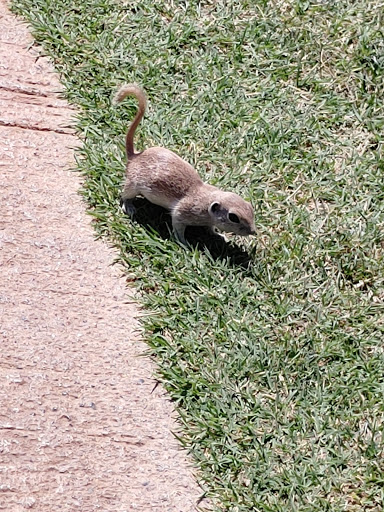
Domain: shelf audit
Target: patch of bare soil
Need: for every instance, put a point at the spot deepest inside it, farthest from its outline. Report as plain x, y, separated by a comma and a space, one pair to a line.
80, 425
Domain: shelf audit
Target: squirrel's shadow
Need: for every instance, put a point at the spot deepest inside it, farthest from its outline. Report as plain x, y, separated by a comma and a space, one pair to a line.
158, 219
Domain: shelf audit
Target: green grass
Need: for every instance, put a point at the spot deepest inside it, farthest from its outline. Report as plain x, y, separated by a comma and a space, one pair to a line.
272, 348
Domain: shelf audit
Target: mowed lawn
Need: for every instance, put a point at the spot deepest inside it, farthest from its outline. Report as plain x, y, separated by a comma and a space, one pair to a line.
271, 346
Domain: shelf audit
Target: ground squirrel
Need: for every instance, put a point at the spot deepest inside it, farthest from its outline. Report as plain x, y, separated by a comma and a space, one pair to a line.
167, 180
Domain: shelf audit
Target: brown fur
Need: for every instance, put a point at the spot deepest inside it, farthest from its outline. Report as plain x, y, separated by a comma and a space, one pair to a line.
167, 180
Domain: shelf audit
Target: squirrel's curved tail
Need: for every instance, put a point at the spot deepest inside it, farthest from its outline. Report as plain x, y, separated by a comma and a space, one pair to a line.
138, 93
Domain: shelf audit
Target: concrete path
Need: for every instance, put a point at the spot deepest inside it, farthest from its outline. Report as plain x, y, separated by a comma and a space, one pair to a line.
80, 428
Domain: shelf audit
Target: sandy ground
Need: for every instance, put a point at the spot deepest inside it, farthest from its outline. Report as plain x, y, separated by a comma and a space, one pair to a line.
80, 428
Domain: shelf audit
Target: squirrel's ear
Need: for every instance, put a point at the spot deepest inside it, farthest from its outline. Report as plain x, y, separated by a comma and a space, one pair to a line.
214, 207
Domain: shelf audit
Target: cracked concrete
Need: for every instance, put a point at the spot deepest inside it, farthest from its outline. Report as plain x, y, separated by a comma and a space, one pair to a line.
80, 425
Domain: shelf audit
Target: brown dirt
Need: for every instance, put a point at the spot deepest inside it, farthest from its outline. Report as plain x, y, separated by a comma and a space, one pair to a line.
80, 425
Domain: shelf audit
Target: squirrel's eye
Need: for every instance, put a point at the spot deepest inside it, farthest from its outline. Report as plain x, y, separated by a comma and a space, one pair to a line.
234, 218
